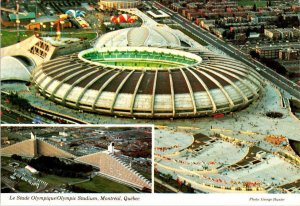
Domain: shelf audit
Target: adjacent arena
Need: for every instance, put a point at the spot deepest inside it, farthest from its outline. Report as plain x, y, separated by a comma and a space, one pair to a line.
119, 4
155, 36
148, 82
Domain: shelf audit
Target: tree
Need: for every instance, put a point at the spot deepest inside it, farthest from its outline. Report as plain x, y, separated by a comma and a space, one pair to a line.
168, 177
254, 54
248, 32
231, 35
103, 28
19, 101
16, 157
274, 65
190, 189
53, 165
254, 8
262, 29
225, 34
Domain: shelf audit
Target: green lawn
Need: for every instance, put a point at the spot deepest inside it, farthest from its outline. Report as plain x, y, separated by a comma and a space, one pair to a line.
6, 160
259, 3
25, 187
88, 35
10, 37
102, 185
56, 180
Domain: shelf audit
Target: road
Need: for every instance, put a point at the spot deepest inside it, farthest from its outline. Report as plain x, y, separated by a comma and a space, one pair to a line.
9, 115
265, 71
13, 117
166, 185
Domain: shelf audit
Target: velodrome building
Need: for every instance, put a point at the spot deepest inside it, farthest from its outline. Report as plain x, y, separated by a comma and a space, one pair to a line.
107, 161
124, 75
155, 36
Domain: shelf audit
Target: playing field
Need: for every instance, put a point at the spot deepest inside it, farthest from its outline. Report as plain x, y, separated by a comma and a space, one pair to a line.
139, 59
10, 37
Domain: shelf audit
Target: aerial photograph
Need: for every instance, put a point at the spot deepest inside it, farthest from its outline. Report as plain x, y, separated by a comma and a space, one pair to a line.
76, 159
218, 79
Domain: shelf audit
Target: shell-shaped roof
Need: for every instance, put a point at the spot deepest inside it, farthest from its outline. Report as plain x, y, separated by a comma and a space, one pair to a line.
138, 36
13, 69
216, 84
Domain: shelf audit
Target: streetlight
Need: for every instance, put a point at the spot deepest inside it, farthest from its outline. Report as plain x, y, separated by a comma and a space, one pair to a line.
44, 26
51, 26
62, 26
41, 26
18, 28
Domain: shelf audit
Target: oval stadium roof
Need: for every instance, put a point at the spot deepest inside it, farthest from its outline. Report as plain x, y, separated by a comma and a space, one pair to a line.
121, 82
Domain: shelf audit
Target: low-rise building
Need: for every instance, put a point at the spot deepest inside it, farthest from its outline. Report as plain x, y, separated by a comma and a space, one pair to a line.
279, 33
289, 54
218, 32
46, 22
272, 52
159, 14
268, 52
176, 7
206, 24
31, 169
119, 4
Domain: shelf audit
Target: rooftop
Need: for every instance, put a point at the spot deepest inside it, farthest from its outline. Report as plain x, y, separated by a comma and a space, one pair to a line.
30, 15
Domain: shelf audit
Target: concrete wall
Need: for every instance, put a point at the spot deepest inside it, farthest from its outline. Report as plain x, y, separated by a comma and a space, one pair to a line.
46, 149
23, 49
25, 148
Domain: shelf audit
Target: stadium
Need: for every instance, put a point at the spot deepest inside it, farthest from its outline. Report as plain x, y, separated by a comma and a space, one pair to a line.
148, 82
119, 4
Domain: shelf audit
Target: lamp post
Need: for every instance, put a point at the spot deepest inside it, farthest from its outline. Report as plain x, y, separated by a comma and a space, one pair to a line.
62, 26
32, 21
41, 28
51, 26
18, 28
44, 26
18, 21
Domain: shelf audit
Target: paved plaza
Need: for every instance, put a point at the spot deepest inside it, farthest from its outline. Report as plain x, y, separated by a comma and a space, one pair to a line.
217, 164
251, 120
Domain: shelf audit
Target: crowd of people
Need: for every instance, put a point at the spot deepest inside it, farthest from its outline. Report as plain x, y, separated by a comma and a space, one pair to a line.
167, 148
186, 162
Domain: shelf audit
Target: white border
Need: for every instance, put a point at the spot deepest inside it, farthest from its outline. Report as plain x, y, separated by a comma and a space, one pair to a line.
172, 199
150, 199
